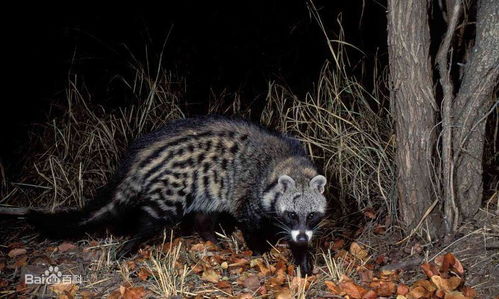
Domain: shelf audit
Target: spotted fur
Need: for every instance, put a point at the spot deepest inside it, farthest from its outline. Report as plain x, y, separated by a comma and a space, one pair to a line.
209, 165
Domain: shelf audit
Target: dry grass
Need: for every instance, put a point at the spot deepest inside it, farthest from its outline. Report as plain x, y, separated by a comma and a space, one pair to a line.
344, 132
167, 279
336, 268
73, 154
344, 127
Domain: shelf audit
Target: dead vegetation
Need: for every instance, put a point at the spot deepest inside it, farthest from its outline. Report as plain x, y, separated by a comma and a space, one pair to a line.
347, 130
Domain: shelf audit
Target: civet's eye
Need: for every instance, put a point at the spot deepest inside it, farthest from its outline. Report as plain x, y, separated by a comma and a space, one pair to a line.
311, 215
292, 215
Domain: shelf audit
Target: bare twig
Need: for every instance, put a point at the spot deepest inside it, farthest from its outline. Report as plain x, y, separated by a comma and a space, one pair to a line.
451, 213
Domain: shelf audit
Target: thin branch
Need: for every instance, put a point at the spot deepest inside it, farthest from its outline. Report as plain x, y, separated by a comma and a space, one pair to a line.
451, 213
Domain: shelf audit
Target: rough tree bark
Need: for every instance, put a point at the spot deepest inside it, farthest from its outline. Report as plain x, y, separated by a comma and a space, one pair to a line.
471, 106
414, 109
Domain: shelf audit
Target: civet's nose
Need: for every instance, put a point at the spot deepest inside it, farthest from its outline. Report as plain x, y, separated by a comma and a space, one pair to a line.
302, 237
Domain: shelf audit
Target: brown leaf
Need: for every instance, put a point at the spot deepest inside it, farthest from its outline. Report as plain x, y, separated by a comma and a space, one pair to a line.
446, 284
338, 244
198, 247
284, 293
223, 284
380, 229
239, 262
352, 289
370, 295
449, 262
210, 275
418, 292
197, 269
245, 296
21, 287
386, 288
468, 292
427, 285
87, 294
278, 279
144, 274
16, 251
134, 293
455, 295
64, 290
66, 246
131, 265
357, 251
365, 276
429, 269
332, 287
252, 282
370, 213
21, 261
402, 289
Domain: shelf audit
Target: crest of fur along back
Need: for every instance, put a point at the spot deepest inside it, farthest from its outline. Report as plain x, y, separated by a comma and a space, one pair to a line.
208, 164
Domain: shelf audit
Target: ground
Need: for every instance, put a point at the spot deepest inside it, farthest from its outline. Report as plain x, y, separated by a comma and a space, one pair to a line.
360, 263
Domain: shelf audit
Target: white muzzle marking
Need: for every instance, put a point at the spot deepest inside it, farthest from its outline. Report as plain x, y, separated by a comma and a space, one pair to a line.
309, 234
295, 233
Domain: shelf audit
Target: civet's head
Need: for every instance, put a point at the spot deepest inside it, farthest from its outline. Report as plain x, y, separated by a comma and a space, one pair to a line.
300, 207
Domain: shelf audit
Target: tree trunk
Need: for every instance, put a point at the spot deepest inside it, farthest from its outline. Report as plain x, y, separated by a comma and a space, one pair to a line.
471, 106
413, 106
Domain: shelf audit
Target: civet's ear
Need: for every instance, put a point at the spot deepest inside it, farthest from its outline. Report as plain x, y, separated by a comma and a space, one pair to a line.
318, 183
285, 182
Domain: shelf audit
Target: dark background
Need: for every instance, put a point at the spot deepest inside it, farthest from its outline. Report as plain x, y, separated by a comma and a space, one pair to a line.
233, 45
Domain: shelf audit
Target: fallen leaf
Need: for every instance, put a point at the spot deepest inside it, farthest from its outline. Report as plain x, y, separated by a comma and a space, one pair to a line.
16, 251
210, 275
284, 293
448, 261
332, 287
418, 292
223, 284
87, 294
64, 290
144, 274
370, 213
21, 261
278, 279
427, 285
252, 283
131, 265
446, 284
402, 289
370, 295
469, 292
357, 251
455, 295
365, 276
379, 229
429, 269
3, 283
134, 293
197, 268
239, 262
353, 290
338, 244
245, 296
66, 246
386, 288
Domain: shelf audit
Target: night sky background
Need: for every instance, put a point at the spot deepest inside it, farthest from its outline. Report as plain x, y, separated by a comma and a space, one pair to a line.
233, 45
